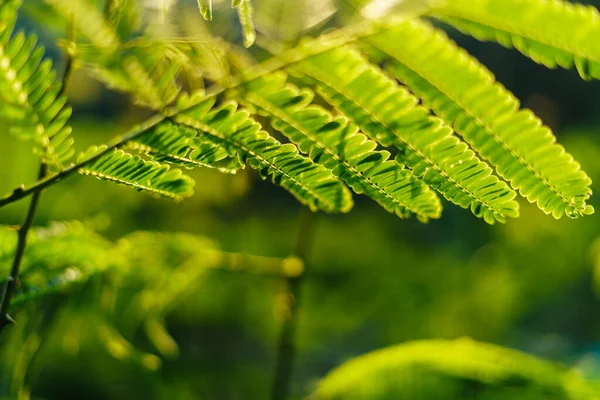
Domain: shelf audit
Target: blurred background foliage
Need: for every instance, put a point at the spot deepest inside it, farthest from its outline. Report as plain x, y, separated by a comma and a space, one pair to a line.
181, 316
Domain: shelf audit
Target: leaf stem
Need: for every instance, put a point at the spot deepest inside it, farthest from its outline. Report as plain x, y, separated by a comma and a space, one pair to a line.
11, 283
286, 349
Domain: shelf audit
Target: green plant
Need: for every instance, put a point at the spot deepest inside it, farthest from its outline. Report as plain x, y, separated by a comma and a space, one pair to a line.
428, 155
346, 103
438, 369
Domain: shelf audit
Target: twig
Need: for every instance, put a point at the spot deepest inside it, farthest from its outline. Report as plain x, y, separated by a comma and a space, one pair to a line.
286, 349
11, 284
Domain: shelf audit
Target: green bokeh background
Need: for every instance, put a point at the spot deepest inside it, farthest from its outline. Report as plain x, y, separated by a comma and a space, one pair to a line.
373, 280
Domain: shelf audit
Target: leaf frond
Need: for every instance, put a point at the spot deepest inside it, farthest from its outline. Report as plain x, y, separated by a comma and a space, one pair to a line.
554, 33
205, 7
89, 22
389, 115
463, 92
150, 76
31, 96
245, 11
123, 16
430, 367
337, 145
129, 170
58, 256
181, 145
234, 130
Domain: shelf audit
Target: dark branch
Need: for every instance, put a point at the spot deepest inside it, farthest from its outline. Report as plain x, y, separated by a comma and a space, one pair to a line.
286, 349
11, 284
12, 281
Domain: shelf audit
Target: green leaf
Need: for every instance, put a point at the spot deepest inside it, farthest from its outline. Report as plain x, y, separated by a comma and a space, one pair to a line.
390, 115
205, 7
90, 23
337, 145
246, 15
180, 145
232, 129
31, 97
463, 92
554, 33
123, 16
149, 176
451, 370
59, 256
152, 78
143, 71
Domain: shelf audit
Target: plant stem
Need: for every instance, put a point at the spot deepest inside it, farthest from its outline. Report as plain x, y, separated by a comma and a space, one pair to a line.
286, 349
11, 283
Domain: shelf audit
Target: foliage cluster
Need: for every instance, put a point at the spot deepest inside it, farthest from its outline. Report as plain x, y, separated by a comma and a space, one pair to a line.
389, 108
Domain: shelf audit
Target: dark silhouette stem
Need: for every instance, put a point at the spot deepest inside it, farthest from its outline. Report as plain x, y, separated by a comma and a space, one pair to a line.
12, 281
286, 349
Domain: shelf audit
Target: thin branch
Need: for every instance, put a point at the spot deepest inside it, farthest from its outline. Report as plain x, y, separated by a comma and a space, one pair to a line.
271, 267
116, 143
11, 283
286, 349
69, 56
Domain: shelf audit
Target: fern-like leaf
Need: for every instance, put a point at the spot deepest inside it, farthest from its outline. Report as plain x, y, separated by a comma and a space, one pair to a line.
180, 145
149, 176
234, 130
390, 115
451, 370
58, 257
89, 22
554, 33
141, 71
337, 145
31, 97
145, 73
123, 16
152, 78
205, 7
487, 116
246, 15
